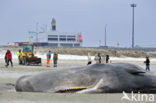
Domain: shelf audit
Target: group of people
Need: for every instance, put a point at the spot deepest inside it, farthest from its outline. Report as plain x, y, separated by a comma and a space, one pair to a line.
55, 58
8, 58
98, 58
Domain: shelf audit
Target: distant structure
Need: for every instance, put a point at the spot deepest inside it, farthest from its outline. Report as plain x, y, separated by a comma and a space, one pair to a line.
53, 38
53, 25
106, 35
133, 6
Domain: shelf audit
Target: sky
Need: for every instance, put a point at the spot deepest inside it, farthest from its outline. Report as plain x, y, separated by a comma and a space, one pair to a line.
89, 17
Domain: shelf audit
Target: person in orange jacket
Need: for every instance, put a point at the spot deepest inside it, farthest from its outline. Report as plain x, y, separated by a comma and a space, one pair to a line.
48, 58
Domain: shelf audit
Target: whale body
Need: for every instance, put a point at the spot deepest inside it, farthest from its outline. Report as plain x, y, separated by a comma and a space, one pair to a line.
95, 78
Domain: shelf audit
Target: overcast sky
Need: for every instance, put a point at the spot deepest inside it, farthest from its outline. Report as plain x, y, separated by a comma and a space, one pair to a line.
17, 17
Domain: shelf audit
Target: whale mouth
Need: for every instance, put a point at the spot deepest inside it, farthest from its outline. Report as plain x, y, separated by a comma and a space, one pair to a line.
83, 89
71, 90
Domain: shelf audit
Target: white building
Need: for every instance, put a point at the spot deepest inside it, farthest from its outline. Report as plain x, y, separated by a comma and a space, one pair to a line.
54, 38
58, 39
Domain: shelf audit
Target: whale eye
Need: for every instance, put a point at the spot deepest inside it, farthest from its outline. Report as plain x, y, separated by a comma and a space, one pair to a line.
137, 73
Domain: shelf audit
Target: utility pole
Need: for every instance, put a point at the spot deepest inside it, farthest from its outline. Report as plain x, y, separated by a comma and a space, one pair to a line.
99, 43
37, 32
133, 6
105, 35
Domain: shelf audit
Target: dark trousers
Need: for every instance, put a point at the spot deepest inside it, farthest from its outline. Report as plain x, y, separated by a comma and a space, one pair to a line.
19, 61
55, 63
89, 63
99, 60
9, 60
147, 67
107, 61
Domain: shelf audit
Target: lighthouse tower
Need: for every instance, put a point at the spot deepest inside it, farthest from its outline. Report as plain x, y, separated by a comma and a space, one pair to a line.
53, 25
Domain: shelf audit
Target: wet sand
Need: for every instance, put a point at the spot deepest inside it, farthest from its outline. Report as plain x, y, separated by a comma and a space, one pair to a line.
9, 75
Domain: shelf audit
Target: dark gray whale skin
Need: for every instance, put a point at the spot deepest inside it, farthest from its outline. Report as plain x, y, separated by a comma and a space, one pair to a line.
114, 77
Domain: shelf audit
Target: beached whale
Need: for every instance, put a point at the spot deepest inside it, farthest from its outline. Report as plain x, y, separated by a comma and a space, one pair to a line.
95, 78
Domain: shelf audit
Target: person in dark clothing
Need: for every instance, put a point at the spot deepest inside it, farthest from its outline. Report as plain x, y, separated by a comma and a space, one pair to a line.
55, 58
89, 59
107, 58
147, 62
8, 57
99, 58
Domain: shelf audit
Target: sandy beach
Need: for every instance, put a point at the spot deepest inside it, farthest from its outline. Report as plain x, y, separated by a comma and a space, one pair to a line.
8, 77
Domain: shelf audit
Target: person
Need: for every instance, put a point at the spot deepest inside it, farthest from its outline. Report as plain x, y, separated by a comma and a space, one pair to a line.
98, 58
55, 58
48, 58
8, 57
19, 53
107, 58
89, 59
147, 62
